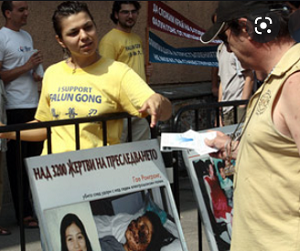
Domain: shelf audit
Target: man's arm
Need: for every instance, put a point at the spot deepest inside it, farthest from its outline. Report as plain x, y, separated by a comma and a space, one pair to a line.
286, 114
214, 81
10, 75
220, 93
248, 86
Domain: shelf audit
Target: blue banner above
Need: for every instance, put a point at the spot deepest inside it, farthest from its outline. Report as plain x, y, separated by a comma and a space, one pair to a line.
161, 52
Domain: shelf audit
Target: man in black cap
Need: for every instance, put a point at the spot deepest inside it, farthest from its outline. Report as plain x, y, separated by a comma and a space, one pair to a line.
267, 173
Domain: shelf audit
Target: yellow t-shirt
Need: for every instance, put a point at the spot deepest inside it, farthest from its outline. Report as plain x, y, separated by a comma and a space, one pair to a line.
124, 47
106, 86
267, 180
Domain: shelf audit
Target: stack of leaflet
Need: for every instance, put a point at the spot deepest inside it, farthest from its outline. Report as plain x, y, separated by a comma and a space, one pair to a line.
189, 140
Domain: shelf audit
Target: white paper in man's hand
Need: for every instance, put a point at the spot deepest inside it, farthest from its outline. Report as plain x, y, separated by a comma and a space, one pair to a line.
187, 140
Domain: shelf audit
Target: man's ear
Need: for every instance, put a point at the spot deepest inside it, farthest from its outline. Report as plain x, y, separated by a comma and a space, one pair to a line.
116, 15
59, 40
245, 28
7, 14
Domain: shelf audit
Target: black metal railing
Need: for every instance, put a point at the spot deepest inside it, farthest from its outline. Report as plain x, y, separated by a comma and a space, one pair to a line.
17, 128
208, 107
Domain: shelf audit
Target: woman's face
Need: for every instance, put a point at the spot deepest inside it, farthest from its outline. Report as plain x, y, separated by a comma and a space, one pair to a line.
78, 34
74, 238
139, 234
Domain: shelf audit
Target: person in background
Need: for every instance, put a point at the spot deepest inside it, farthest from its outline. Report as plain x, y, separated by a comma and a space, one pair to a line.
233, 82
267, 153
123, 45
18, 63
3, 148
259, 78
215, 82
236, 83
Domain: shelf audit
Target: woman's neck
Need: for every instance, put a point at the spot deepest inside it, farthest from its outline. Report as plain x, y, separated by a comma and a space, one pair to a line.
82, 62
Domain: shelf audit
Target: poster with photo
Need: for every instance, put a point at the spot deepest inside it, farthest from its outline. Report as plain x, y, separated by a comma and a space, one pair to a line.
72, 228
213, 191
108, 190
122, 224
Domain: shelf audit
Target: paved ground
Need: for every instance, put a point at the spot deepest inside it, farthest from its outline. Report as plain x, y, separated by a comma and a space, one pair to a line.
188, 222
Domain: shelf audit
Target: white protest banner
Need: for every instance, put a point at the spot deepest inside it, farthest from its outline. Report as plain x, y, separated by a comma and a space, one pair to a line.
66, 184
161, 52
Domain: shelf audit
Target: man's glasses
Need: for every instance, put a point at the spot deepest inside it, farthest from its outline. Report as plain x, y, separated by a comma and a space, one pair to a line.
127, 12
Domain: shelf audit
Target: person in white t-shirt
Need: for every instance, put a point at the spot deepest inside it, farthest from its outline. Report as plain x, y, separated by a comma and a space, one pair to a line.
3, 149
236, 83
18, 63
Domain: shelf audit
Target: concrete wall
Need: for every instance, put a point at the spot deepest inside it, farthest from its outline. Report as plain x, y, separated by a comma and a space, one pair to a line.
40, 27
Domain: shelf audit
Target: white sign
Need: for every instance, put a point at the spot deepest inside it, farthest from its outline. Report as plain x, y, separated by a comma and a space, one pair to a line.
63, 185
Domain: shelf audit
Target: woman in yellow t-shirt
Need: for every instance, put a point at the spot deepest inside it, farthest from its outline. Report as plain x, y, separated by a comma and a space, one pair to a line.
87, 85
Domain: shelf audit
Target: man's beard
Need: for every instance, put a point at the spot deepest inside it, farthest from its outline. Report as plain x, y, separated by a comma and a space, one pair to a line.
127, 26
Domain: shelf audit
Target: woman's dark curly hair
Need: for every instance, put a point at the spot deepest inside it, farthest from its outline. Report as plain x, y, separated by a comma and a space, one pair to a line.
66, 9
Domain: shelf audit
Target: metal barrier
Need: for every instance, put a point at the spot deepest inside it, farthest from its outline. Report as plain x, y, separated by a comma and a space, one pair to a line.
210, 108
48, 125
212, 111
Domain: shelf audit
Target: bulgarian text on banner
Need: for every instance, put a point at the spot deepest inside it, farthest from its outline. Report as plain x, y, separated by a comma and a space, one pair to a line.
163, 18
161, 52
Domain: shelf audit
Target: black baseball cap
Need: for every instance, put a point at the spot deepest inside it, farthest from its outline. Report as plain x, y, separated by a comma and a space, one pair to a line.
231, 10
